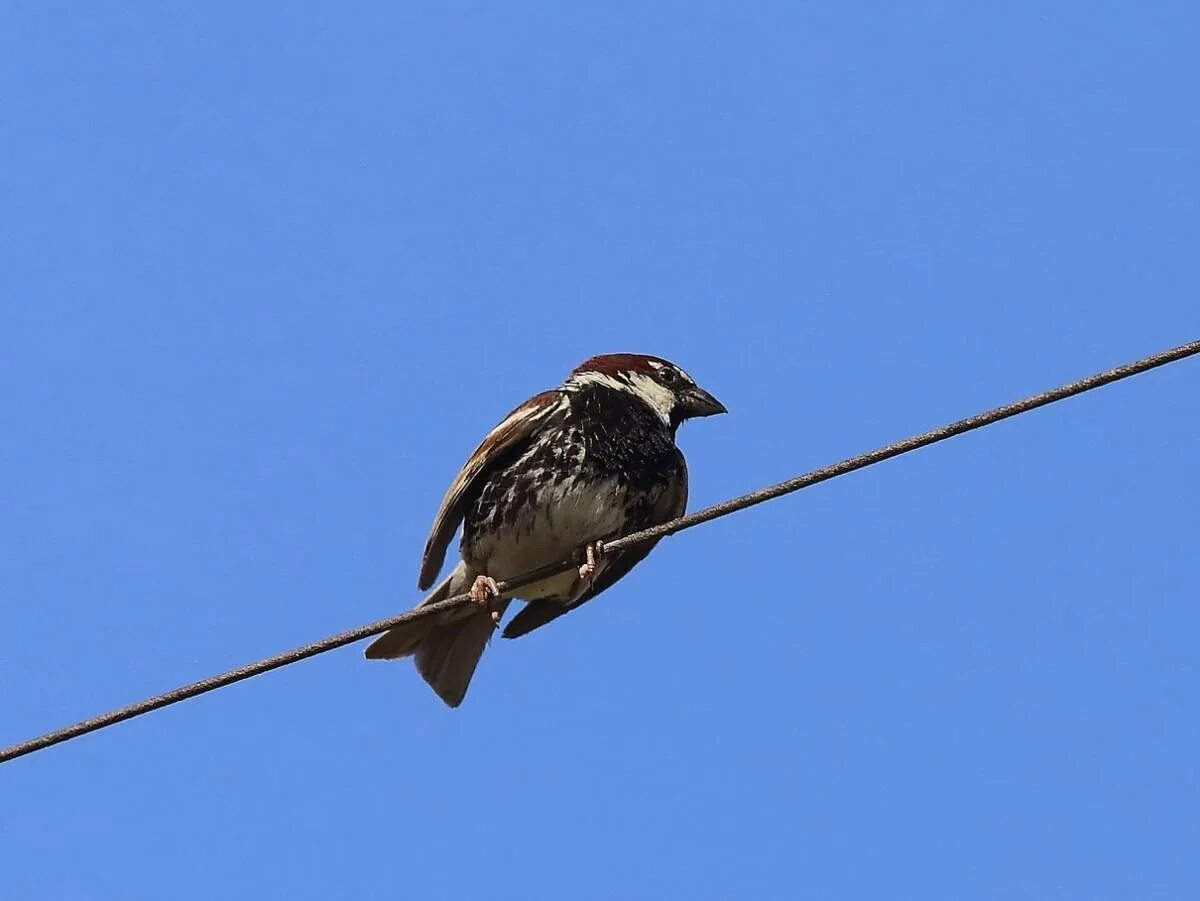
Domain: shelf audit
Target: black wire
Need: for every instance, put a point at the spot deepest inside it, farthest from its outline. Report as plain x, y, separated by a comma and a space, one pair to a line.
670, 528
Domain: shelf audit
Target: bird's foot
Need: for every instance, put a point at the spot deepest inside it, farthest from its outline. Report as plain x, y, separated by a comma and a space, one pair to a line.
484, 591
593, 556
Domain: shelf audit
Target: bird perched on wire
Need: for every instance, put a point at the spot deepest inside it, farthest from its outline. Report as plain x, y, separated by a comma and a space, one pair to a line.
567, 470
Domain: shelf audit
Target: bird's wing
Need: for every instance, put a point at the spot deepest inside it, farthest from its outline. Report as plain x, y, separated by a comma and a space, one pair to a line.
537, 613
509, 437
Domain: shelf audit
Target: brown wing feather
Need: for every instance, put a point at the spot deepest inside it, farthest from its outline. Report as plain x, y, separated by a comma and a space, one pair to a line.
537, 613
507, 437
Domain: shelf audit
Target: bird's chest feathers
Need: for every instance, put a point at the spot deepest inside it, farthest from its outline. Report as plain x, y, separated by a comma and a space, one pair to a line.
548, 517
572, 485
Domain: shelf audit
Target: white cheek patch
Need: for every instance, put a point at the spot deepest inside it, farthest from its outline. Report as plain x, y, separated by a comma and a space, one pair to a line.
660, 399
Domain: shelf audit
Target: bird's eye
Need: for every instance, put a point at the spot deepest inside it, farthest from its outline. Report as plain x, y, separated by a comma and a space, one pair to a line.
670, 378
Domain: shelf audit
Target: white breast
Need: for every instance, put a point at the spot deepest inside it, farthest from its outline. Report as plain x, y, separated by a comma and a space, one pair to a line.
564, 518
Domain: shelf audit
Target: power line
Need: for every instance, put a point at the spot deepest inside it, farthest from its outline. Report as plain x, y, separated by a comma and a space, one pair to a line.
670, 528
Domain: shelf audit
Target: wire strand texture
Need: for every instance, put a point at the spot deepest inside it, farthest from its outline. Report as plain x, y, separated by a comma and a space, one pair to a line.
661, 531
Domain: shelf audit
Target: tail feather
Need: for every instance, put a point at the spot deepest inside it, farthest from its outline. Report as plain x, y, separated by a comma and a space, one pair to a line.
446, 647
446, 658
403, 640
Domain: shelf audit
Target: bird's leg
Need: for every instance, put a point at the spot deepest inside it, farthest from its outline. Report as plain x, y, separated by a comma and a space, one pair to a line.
484, 591
593, 556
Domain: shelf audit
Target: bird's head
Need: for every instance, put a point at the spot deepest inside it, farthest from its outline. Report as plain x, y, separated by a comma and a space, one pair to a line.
669, 391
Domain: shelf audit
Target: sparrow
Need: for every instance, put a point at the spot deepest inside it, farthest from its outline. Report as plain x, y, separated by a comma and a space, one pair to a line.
566, 471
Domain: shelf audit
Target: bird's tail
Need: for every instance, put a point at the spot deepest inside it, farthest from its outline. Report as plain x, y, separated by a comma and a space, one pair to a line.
446, 647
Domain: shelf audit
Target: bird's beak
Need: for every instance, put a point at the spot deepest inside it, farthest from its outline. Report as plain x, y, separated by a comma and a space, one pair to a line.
698, 402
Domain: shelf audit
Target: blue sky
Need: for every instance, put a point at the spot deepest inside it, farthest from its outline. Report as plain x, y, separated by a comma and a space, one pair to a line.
269, 271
